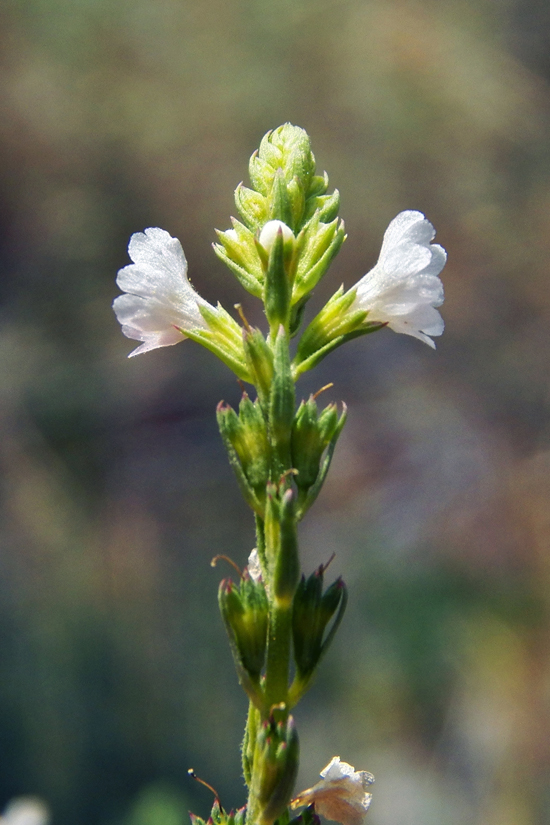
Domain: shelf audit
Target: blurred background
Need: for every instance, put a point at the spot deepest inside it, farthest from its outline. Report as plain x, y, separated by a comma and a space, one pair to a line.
115, 675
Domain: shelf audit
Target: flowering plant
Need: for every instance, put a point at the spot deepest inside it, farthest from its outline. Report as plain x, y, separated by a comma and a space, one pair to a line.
280, 623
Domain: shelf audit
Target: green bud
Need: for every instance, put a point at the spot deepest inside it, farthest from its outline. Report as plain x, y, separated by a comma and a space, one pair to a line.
297, 201
317, 245
246, 441
275, 769
252, 445
245, 610
326, 206
284, 186
237, 249
311, 612
311, 435
313, 442
220, 817
252, 206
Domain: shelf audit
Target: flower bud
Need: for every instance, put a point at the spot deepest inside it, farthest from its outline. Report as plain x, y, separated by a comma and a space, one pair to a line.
316, 246
244, 610
271, 230
311, 613
284, 184
312, 436
275, 771
237, 249
220, 817
247, 445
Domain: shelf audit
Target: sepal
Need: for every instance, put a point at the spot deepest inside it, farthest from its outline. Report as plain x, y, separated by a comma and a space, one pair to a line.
252, 206
335, 324
223, 337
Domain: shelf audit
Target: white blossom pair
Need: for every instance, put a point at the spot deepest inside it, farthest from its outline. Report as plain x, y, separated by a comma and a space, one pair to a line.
160, 306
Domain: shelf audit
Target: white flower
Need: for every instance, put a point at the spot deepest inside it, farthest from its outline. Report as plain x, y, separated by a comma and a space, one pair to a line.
269, 232
341, 795
403, 289
25, 810
160, 304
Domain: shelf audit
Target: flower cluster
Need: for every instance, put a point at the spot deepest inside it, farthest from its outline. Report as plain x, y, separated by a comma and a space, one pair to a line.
402, 291
280, 622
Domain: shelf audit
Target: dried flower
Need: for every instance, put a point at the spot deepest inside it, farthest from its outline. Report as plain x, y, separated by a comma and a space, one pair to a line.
341, 795
403, 289
160, 304
254, 566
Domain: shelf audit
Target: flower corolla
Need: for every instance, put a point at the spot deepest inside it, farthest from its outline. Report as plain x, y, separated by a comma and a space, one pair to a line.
160, 304
403, 289
341, 796
269, 233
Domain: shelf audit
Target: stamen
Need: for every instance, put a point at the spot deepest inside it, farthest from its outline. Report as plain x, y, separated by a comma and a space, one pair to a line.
239, 309
235, 566
193, 775
318, 393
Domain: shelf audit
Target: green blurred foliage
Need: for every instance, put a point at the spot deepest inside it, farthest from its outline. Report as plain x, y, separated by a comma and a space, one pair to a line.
114, 491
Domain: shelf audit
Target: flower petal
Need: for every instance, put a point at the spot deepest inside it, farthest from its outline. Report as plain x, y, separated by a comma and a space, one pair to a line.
160, 304
403, 289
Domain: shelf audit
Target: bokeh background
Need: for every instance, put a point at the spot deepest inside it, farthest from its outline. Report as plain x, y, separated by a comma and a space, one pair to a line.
115, 676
